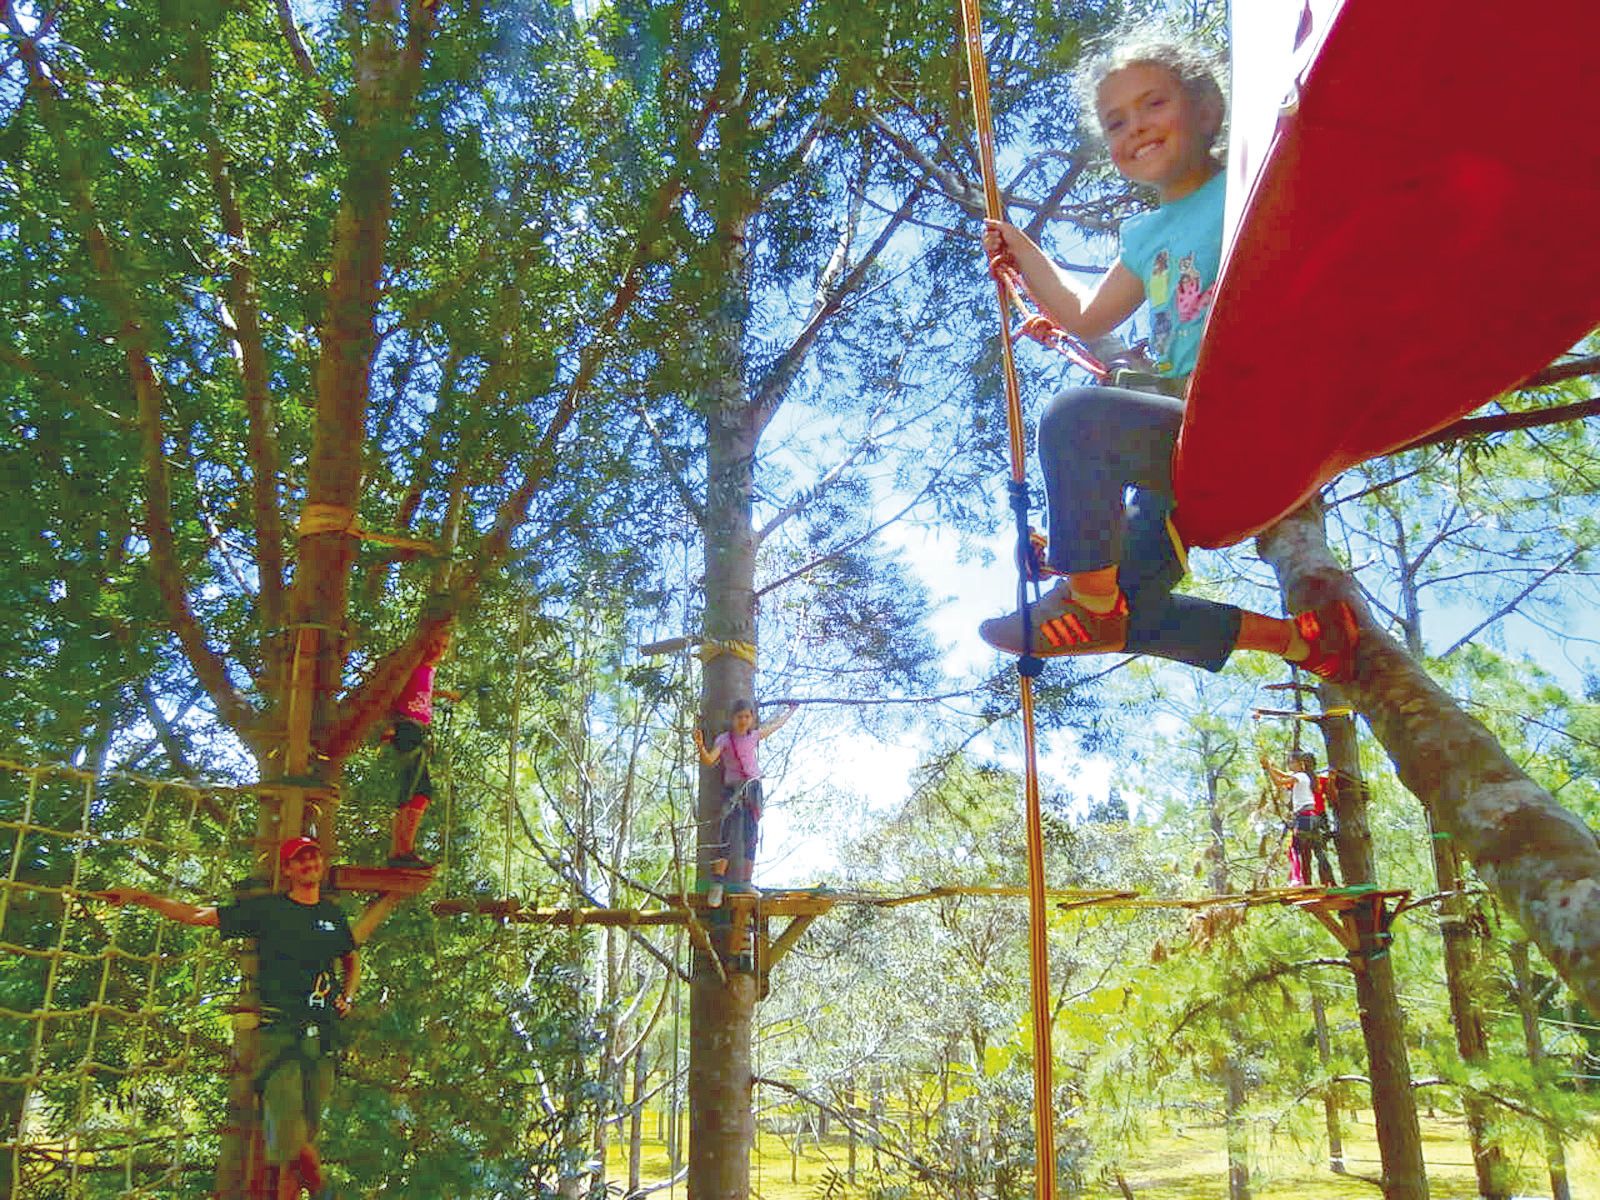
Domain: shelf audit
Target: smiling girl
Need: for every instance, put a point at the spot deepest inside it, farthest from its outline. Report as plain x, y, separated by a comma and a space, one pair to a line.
1161, 111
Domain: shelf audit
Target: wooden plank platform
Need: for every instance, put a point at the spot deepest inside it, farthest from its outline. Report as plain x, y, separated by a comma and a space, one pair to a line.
397, 881
811, 902
814, 902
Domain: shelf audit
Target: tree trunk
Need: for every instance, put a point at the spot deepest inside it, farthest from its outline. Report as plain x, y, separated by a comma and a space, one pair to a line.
875, 1119
1528, 1005
641, 1080
1238, 1155
721, 1127
850, 1107
1233, 1089
1462, 961
1394, 1108
722, 1012
1330, 1095
1539, 859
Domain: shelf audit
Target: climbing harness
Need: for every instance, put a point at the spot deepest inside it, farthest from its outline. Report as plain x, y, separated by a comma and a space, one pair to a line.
1028, 666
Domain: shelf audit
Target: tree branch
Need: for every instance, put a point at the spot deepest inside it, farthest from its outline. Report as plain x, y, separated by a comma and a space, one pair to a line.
249, 354
1575, 368
209, 666
1511, 605
303, 59
873, 1136
1533, 418
1542, 861
669, 463
771, 391
514, 510
867, 536
69, 397
1266, 975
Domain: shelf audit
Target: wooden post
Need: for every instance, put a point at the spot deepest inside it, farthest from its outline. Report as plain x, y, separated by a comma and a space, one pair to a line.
299, 703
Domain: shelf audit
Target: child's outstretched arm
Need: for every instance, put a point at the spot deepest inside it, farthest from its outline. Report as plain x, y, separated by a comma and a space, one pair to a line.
707, 756
1281, 778
777, 722
1082, 311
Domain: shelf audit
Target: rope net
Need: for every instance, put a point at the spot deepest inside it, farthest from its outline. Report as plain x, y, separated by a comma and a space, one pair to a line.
115, 1025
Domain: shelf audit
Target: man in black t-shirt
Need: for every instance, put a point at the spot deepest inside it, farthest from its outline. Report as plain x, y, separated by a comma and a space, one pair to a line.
307, 974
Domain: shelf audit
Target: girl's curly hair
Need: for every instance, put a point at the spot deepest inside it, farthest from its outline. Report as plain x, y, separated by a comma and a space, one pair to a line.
1194, 69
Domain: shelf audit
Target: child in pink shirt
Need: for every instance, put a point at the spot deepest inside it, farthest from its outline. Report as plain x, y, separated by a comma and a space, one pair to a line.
736, 749
412, 714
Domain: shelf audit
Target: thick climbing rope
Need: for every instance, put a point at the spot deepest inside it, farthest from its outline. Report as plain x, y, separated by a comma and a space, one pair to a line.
1028, 667
93, 993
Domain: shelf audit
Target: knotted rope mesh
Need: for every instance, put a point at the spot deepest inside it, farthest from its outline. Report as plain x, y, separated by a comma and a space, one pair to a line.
115, 1024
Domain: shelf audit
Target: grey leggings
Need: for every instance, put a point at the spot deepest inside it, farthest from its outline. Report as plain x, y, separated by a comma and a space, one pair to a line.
1107, 460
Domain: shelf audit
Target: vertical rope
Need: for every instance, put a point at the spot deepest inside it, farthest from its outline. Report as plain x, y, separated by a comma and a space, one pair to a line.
28, 1084
53, 975
513, 750
675, 1110
1038, 929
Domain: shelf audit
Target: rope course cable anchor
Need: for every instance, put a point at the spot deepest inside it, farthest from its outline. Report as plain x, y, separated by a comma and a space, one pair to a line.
318, 518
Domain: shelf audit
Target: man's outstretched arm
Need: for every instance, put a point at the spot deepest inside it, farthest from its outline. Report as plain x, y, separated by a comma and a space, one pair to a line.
176, 910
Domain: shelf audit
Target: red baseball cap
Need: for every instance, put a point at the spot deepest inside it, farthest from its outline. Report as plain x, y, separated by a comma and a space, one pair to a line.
293, 846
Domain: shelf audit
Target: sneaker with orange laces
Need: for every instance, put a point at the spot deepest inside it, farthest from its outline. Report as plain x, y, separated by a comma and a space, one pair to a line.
1060, 625
1332, 634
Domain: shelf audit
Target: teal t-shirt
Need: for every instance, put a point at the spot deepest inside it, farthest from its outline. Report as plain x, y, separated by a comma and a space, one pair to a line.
1176, 251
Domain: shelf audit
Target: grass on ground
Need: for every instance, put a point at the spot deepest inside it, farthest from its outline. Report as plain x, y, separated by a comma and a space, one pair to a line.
1175, 1164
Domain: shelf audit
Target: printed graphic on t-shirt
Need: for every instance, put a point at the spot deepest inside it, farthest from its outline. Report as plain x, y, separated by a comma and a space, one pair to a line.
1192, 300
1176, 251
1160, 285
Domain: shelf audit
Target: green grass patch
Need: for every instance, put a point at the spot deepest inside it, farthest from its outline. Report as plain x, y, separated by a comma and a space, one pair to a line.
1174, 1163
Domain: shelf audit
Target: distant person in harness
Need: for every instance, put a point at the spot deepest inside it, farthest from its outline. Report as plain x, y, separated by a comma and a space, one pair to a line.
307, 975
408, 737
736, 749
1307, 820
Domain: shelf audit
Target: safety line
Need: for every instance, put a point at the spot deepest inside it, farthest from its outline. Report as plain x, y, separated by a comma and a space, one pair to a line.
1038, 922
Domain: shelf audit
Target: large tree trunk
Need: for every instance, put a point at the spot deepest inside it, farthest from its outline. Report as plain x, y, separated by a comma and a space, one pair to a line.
1528, 1005
1459, 926
1540, 860
722, 1003
1383, 1028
